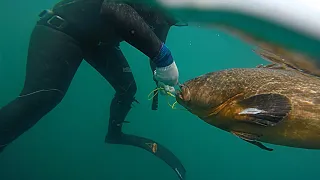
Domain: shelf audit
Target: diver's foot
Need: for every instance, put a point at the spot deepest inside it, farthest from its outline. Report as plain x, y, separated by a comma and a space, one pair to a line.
151, 146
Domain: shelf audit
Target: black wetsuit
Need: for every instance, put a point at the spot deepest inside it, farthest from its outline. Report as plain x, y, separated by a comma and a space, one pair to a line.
89, 30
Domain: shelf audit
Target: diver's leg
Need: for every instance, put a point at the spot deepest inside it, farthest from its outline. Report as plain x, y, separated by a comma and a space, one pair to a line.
122, 80
111, 64
52, 61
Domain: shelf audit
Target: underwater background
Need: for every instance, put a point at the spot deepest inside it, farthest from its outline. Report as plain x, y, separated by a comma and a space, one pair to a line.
68, 143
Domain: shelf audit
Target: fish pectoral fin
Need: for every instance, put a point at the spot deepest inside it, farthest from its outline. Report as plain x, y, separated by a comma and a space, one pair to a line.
264, 109
260, 145
252, 139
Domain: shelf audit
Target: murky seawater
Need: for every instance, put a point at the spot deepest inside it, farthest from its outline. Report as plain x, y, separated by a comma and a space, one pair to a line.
68, 143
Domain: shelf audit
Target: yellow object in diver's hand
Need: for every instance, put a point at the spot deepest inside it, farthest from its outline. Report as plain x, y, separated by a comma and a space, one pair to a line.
168, 93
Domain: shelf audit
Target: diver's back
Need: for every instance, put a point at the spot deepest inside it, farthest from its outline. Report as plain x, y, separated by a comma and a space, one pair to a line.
83, 14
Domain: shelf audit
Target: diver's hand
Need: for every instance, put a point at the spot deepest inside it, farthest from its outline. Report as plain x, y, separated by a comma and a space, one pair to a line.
165, 89
168, 75
166, 69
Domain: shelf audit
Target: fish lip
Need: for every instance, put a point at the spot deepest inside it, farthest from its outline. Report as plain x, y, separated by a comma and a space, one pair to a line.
179, 95
179, 92
183, 94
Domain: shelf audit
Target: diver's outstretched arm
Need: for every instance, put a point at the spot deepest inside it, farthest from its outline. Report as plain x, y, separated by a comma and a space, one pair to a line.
131, 27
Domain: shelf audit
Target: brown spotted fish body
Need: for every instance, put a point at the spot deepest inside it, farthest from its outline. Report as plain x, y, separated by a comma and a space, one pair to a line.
275, 106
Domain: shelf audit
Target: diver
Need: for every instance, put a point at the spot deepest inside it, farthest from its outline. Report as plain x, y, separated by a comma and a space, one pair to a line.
91, 30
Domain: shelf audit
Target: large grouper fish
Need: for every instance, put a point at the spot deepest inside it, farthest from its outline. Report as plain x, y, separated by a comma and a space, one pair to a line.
279, 106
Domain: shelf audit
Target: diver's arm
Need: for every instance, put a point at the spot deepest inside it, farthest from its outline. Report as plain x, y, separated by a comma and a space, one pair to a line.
134, 30
131, 27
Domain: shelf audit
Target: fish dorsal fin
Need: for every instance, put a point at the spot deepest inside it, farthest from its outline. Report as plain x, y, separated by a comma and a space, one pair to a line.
289, 61
216, 110
292, 60
268, 56
264, 109
276, 60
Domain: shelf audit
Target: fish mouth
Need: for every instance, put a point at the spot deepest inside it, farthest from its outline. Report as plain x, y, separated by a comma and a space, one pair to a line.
179, 96
183, 95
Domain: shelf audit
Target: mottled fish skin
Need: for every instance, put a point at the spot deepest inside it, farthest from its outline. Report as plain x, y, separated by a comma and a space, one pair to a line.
301, 128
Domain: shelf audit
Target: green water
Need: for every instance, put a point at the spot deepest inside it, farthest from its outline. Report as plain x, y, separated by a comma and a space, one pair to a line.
68, 143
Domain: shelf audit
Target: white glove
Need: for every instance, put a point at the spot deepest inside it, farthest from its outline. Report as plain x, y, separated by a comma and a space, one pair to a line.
168, 75
166, 89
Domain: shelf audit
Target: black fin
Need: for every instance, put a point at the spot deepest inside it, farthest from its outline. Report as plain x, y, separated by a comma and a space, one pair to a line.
266, 109
251, 138
156, 149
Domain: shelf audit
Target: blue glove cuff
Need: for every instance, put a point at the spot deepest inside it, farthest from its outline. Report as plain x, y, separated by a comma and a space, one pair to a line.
164, 58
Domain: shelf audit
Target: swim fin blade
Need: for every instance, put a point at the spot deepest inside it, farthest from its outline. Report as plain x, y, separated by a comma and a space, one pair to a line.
156, 149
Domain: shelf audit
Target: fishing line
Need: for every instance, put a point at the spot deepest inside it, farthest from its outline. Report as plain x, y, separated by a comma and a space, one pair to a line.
168, 93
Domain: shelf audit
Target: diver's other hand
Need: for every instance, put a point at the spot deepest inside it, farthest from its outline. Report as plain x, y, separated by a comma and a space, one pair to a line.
166, 68
165, 89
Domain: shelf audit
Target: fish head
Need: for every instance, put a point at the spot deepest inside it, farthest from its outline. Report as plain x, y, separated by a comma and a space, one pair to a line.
228, 98
183, 95
203, 94
188, 97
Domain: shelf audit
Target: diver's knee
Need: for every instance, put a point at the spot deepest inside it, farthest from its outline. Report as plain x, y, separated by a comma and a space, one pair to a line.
127, 93
54, 97
132, 90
